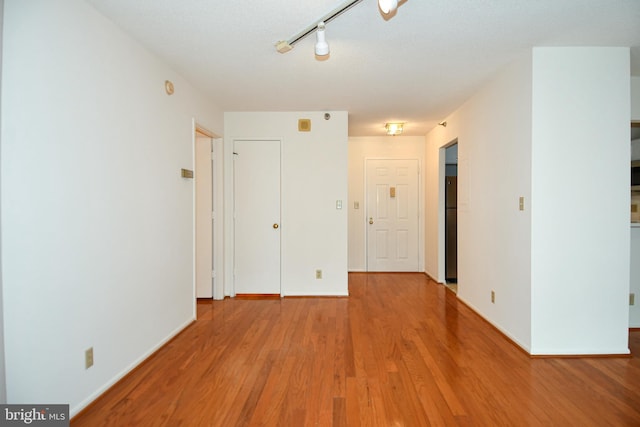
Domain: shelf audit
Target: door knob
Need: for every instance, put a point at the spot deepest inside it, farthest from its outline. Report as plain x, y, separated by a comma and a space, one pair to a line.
370, 220
275, 226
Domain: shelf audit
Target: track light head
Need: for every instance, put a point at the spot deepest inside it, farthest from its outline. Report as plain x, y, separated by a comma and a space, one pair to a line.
322, 47
388, 6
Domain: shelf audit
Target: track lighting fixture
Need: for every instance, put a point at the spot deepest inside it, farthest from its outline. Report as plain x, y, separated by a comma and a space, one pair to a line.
322, 47
388, 7
284, 46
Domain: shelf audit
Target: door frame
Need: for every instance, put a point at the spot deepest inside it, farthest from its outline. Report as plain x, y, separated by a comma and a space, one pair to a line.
217, 204
420, 209
204, 170
442, 209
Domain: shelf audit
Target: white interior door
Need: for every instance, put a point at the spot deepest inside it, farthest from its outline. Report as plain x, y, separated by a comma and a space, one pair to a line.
257, 217
204, 209
392, 215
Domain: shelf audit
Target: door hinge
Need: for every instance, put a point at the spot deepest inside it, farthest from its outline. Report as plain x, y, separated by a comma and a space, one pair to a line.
213, 274
213, 155
213, 214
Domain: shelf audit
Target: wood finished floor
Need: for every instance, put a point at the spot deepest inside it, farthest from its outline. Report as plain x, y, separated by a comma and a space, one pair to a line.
400, 351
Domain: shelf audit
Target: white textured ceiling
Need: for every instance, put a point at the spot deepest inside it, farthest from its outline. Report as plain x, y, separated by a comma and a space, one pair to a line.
417, 67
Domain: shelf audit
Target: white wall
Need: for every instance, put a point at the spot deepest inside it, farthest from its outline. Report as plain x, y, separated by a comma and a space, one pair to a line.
361, 148
493, 130
560, 268
314, 177
97, 231
580, 201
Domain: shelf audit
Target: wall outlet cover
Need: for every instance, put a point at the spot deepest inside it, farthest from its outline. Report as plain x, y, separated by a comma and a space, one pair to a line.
88, 358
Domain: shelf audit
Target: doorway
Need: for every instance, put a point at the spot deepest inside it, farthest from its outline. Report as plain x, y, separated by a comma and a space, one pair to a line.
256, 189
204, 235
392, 214
451, 216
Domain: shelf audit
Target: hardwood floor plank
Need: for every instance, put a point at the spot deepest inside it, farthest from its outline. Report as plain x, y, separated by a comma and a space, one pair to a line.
401, 350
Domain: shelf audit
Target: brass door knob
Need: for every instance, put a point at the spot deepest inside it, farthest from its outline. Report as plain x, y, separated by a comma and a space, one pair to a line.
275, 226
370, 220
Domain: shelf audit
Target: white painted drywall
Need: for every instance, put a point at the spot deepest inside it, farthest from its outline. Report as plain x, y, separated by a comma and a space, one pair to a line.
97, 232
314, 176
580, 201
385, 147
493, 130
560, 268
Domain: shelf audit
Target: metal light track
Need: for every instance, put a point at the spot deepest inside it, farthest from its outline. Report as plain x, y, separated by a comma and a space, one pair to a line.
286, 45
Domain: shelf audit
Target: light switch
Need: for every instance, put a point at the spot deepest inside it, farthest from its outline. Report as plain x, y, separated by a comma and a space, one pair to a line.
356, 205
338, 204
521, 203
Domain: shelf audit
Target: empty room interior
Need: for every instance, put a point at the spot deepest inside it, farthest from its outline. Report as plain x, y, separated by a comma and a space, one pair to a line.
329, 213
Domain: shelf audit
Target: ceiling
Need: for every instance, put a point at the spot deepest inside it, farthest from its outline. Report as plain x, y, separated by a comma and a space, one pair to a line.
416, 66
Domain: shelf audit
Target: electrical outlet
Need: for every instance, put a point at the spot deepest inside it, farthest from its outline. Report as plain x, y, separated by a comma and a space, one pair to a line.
318, 274
493, 297
88, 358
632, 299
521, 203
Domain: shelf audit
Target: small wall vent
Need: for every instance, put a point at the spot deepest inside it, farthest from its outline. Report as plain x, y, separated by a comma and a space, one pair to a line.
304, 125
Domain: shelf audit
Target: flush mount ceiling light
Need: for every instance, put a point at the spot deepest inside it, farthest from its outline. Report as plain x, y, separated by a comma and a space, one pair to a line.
284, 46
394, 129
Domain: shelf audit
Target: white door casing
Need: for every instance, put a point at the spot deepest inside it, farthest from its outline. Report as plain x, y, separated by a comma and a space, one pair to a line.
392, 215
257, 217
